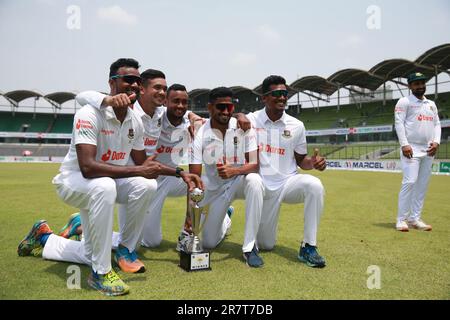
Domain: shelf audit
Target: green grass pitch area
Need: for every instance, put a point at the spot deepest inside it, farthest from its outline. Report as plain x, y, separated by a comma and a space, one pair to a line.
356, 231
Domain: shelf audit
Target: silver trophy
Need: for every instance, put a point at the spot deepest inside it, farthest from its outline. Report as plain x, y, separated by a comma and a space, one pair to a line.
194, 258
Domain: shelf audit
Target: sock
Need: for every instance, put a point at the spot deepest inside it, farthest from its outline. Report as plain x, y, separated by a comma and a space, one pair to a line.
43, 239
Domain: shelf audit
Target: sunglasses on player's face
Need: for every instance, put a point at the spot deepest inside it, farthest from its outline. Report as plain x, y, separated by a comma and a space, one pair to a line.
277, 93
223, 106
128, 78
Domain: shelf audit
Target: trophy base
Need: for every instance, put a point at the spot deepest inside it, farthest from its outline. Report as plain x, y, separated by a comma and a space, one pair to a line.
199, 261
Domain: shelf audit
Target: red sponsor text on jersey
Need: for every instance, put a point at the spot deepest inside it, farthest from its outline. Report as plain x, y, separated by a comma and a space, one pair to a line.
269, 149
422, 117
150, 142
113, 155
107, 132
164, 149
83, 124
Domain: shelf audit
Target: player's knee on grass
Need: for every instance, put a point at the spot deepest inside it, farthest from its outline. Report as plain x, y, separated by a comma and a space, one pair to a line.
209, 240
266, 244
152, 242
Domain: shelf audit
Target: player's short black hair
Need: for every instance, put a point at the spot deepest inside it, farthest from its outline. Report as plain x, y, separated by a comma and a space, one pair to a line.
176, 87
271, 80
150, 74
220, 92
122, 62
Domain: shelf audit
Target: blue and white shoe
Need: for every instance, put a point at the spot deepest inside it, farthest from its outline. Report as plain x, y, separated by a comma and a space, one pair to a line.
252, 258
309, 255
230, 212
72, 228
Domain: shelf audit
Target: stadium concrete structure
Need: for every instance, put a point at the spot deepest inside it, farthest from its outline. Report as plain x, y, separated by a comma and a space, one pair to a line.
368, 121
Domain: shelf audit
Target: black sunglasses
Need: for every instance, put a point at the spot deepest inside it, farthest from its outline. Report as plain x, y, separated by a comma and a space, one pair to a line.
277, 93
130, 79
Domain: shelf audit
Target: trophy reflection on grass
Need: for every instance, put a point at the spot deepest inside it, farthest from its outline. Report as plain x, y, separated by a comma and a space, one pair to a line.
193, 257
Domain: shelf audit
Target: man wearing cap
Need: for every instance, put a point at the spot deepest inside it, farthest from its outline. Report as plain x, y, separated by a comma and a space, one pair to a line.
419, 133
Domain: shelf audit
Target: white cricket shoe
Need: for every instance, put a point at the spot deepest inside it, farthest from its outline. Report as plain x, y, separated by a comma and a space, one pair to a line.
419, 225
402, 226
183, 241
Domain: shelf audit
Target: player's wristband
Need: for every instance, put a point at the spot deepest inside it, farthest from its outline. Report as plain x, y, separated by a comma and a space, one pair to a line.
178, 171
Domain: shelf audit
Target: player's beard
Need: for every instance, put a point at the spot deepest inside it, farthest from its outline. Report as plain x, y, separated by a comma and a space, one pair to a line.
419, 92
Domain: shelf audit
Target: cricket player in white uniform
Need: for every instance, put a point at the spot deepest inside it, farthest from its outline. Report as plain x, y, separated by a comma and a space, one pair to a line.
156, 126
282, 148
230, 158
419, 133
93, 176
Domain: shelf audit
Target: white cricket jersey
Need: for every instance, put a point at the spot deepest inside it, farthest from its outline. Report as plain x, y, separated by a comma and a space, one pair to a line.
152, 125
277, 142
173, 142
417, 123
209, 148
114, 140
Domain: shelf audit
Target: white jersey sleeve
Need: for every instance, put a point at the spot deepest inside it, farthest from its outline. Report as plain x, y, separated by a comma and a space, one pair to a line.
92, 98
139, 141
85, 127
196, 156
250, 140
401, 110
300, 146
437, 128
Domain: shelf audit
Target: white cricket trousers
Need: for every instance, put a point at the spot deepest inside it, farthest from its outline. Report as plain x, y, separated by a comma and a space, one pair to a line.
168, 186
96, 198
301, 188
416, 176
250, 188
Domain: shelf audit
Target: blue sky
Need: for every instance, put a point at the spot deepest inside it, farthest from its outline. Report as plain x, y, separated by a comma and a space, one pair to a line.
208, 43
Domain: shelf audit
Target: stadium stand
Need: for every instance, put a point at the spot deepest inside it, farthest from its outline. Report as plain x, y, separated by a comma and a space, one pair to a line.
359, 83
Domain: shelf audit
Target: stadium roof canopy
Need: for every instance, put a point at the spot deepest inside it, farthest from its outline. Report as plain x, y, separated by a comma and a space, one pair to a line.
315, 84
438, 57
196, 93
60, 97
240, 89
399, 68
356, 77
20, 95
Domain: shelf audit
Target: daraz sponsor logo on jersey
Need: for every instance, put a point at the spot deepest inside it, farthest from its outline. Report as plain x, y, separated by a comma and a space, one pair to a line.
113, 155
422, 117
269, 149
150, 142
83, 124
164, 149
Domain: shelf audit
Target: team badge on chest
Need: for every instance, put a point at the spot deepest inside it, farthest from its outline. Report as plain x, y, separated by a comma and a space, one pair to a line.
131, 134
286, 134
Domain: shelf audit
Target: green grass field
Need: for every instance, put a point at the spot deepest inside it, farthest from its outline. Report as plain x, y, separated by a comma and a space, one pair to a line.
357, 230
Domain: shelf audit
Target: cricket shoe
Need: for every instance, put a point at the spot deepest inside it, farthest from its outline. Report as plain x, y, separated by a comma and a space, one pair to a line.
109, 284
128, 261
31, 244
230, 212
309, 255
419, 225
253, 259
402, 226
183, 241
72, 228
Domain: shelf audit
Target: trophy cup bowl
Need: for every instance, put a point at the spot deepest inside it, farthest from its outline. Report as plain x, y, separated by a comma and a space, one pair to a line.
194, 258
